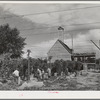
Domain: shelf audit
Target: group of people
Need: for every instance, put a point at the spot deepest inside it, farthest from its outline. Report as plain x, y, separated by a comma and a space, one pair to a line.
41, 74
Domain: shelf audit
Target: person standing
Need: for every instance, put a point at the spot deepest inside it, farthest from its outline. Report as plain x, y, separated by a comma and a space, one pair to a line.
39, 73
16, 76
66, 71
43, 73
49, 72
45, 76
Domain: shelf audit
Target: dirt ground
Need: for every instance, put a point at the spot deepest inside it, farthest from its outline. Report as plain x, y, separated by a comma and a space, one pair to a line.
87, 81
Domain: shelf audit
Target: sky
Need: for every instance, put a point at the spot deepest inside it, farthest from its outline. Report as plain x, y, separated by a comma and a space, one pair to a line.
77, 23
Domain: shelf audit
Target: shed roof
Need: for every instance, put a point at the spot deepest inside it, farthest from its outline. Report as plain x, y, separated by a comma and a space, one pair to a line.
84, 54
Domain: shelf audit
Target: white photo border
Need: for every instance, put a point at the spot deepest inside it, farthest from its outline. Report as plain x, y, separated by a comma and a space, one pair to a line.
50, 94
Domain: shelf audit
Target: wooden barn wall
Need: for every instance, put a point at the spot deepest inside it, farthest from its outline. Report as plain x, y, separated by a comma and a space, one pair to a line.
59, 52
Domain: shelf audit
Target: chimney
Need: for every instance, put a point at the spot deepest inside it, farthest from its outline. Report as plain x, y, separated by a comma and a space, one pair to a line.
61, 33
99, 43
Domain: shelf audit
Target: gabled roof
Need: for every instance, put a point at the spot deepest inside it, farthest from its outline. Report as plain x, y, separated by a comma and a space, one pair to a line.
65, 46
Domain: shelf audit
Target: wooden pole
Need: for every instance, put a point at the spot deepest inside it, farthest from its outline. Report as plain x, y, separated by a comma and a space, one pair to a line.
28, 64
72, 44
72, 47
28, 69
95, 61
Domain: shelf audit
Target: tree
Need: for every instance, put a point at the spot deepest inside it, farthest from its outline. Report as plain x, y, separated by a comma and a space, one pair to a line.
10, 41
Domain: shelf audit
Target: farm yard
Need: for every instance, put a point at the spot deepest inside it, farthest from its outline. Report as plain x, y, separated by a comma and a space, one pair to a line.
84, 79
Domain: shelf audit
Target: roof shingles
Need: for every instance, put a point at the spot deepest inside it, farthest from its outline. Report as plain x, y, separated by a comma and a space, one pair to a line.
65, 46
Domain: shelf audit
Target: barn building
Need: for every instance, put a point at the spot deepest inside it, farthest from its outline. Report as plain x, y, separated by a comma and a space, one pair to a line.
60, 50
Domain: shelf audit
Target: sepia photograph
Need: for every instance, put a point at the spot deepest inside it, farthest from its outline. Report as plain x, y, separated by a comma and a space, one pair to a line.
49, 47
